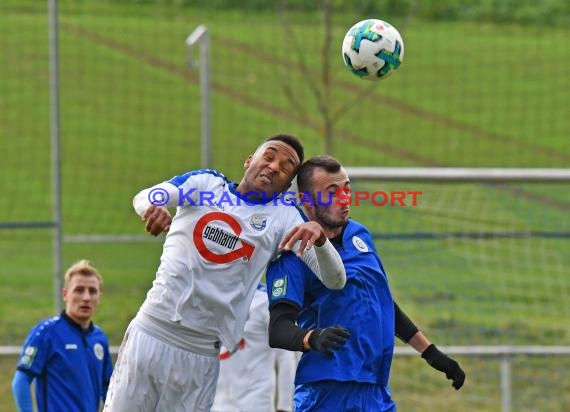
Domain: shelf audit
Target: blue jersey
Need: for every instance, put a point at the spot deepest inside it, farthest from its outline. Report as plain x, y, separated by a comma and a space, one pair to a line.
72, 366
364, 306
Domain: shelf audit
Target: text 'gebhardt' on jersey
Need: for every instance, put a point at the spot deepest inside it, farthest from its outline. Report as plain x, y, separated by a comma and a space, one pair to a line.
220, 237
206, 229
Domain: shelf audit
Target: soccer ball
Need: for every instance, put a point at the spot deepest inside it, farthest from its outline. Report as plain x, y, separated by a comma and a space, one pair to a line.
372, 49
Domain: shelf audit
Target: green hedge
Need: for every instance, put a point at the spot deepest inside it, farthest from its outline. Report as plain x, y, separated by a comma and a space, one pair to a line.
535, 12
544, 12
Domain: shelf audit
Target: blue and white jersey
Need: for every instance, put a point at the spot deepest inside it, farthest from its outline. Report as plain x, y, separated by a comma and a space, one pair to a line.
215, 253
364, 306
72, 366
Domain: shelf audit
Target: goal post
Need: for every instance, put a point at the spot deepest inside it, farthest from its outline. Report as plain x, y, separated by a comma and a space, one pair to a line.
459, 174
480, 259
201, 36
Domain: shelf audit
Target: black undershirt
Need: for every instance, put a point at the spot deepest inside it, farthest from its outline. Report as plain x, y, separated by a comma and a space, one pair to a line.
284, 332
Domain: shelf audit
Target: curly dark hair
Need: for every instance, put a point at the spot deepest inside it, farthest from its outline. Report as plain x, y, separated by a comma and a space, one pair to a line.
292, 141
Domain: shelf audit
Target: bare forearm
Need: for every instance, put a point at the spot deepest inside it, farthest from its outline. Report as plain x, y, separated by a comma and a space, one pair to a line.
419, 342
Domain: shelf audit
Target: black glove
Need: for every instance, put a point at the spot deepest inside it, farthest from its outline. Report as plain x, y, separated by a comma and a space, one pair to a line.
443, 363
323, 340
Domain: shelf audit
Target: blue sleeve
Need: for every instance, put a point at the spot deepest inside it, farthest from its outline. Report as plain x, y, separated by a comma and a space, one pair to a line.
36, 349
287, 278
22, 391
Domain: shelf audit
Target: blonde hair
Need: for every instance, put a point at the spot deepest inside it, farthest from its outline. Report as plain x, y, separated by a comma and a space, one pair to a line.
82, 267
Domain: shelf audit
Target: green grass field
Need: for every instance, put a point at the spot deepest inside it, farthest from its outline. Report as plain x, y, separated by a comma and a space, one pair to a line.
466, 95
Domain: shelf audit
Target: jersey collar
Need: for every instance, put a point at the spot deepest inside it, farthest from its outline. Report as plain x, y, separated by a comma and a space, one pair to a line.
77, 325
243, 196
337, 240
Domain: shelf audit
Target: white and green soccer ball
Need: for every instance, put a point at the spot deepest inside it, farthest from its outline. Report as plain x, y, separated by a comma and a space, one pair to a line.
372, 49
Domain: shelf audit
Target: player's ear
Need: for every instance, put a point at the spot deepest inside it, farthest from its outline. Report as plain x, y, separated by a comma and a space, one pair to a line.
247, 162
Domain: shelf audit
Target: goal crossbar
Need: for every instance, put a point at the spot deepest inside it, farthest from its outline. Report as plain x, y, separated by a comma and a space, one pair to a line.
459, 174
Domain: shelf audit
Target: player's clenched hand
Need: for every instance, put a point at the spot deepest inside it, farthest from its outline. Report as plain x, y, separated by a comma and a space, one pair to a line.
327, 339
443, 363
309, 233
157, 219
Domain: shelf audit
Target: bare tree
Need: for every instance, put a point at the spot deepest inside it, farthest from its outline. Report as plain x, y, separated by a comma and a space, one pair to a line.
319, 83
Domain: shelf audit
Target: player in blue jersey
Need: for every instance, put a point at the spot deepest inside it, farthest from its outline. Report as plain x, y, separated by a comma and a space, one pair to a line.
344, 367
67, 355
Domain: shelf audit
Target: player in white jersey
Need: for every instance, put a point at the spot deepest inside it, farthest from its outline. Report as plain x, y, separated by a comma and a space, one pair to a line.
217, 248
256, 376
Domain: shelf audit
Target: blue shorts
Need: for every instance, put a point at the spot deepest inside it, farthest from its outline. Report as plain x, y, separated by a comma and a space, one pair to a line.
350, 396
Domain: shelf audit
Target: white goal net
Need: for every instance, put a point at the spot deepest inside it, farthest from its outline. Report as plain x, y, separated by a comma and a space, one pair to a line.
480, 259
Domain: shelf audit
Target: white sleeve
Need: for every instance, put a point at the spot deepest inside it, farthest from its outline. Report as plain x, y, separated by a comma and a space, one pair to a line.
324, 261
286, 364
327, 265
162, 194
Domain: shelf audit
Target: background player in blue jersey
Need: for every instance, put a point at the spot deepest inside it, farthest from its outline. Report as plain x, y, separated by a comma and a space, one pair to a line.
347, 367
67, 355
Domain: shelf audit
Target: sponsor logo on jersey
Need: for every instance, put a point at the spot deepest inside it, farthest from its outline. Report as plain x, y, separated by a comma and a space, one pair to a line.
279, 287
258, 222
98, 351
29, 355
220, 237
69, 346
359, 244
206, 231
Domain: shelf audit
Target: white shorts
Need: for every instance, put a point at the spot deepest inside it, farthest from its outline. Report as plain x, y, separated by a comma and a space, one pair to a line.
151, 375
241, 388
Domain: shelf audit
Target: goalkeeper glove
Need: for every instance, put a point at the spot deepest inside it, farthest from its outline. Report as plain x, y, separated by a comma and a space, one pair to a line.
443, 363
323, 340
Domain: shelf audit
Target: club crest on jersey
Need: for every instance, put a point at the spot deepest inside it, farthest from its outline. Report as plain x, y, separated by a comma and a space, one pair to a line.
98, 351
258, 222
279, 287
359, 244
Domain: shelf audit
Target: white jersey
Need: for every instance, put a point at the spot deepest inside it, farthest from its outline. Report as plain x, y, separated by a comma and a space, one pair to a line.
251, 378
215, 252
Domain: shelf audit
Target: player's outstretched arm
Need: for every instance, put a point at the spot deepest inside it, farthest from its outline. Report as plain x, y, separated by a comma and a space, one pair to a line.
328, 266
152, 205
407, 331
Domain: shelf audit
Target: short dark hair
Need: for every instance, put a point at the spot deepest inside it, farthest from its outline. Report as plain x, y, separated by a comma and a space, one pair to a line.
305, 173
292, 141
